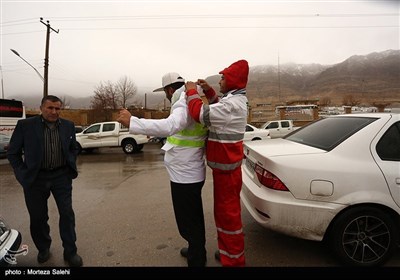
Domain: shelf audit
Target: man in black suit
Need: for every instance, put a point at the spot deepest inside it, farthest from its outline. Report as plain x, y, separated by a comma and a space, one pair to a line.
42, 152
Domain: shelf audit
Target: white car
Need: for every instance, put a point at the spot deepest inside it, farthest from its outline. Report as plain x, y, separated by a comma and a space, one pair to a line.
109, 134
253, 133
336, 179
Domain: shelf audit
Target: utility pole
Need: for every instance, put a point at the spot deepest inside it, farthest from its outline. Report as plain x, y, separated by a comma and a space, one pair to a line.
46, 59
279, 81
2, 86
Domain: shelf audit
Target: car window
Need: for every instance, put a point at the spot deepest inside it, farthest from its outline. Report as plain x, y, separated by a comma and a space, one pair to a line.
327, 133
285, 124
272, 125
249, 128
108, 127
93, 129
388, 147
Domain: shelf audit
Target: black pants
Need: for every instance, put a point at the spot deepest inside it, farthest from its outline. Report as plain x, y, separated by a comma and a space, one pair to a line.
58, 183
188, 208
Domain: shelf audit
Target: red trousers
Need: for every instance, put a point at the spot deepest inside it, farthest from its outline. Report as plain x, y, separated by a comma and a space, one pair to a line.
227, 215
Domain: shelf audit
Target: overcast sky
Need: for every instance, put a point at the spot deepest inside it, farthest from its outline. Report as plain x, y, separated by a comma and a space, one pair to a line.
101, 41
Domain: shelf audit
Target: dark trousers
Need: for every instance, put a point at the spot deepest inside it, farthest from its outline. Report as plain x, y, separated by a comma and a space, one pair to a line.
188, 208
58, 183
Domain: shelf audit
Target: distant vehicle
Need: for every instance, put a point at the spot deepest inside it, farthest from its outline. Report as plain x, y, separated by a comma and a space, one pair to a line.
4, 142
253, 133
161, 140
279, 128
109, 134
336, 179
296, 110
11, 111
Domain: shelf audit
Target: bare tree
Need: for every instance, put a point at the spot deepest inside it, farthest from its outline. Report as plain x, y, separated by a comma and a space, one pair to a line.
349, 100
102, 102
106, 96
380, 105
113, 96
126, 90
65, 102
325, 101
109, 97
99, 100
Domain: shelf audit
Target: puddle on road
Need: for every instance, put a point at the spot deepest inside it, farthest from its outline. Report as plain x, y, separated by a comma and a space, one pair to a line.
103, 169
108, 168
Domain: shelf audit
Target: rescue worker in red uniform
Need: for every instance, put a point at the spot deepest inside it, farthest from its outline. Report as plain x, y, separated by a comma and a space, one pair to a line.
226, 119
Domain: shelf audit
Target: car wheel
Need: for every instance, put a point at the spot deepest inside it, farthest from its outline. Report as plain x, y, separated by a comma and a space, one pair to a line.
129, 146
364, 236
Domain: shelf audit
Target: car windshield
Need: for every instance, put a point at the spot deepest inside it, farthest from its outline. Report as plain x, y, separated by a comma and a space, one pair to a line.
327, 133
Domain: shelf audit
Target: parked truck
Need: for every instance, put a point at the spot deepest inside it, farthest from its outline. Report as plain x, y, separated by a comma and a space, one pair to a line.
279, 128
109, 134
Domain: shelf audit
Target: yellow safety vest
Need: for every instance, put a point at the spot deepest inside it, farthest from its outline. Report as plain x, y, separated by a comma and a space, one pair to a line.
193, 136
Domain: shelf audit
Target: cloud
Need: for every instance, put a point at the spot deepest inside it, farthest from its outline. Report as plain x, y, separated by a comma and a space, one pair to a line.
101, 41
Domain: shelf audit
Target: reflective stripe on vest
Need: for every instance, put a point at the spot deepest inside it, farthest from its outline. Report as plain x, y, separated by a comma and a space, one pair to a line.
190, 137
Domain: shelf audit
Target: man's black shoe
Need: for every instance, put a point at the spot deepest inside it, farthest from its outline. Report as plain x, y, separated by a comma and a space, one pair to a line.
217, 256
184, 252
43, 256
74, 261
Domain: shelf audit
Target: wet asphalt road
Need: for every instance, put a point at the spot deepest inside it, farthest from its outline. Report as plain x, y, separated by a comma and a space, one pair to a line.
124, 218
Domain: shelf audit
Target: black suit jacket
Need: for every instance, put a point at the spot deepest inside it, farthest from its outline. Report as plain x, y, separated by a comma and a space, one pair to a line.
25, 152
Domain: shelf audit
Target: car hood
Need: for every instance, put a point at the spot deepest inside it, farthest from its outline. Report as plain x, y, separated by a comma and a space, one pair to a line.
279, 147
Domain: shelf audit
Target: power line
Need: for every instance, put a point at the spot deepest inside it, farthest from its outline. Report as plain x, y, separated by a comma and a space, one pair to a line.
16, 33
216, 27
25, 21
217, 16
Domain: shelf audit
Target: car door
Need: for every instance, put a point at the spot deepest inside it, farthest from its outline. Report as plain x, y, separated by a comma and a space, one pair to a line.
388, 158
286, 128
273, 128
109, 136
90, 137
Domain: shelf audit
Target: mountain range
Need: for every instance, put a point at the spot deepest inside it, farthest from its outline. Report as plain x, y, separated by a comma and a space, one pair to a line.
368, 78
